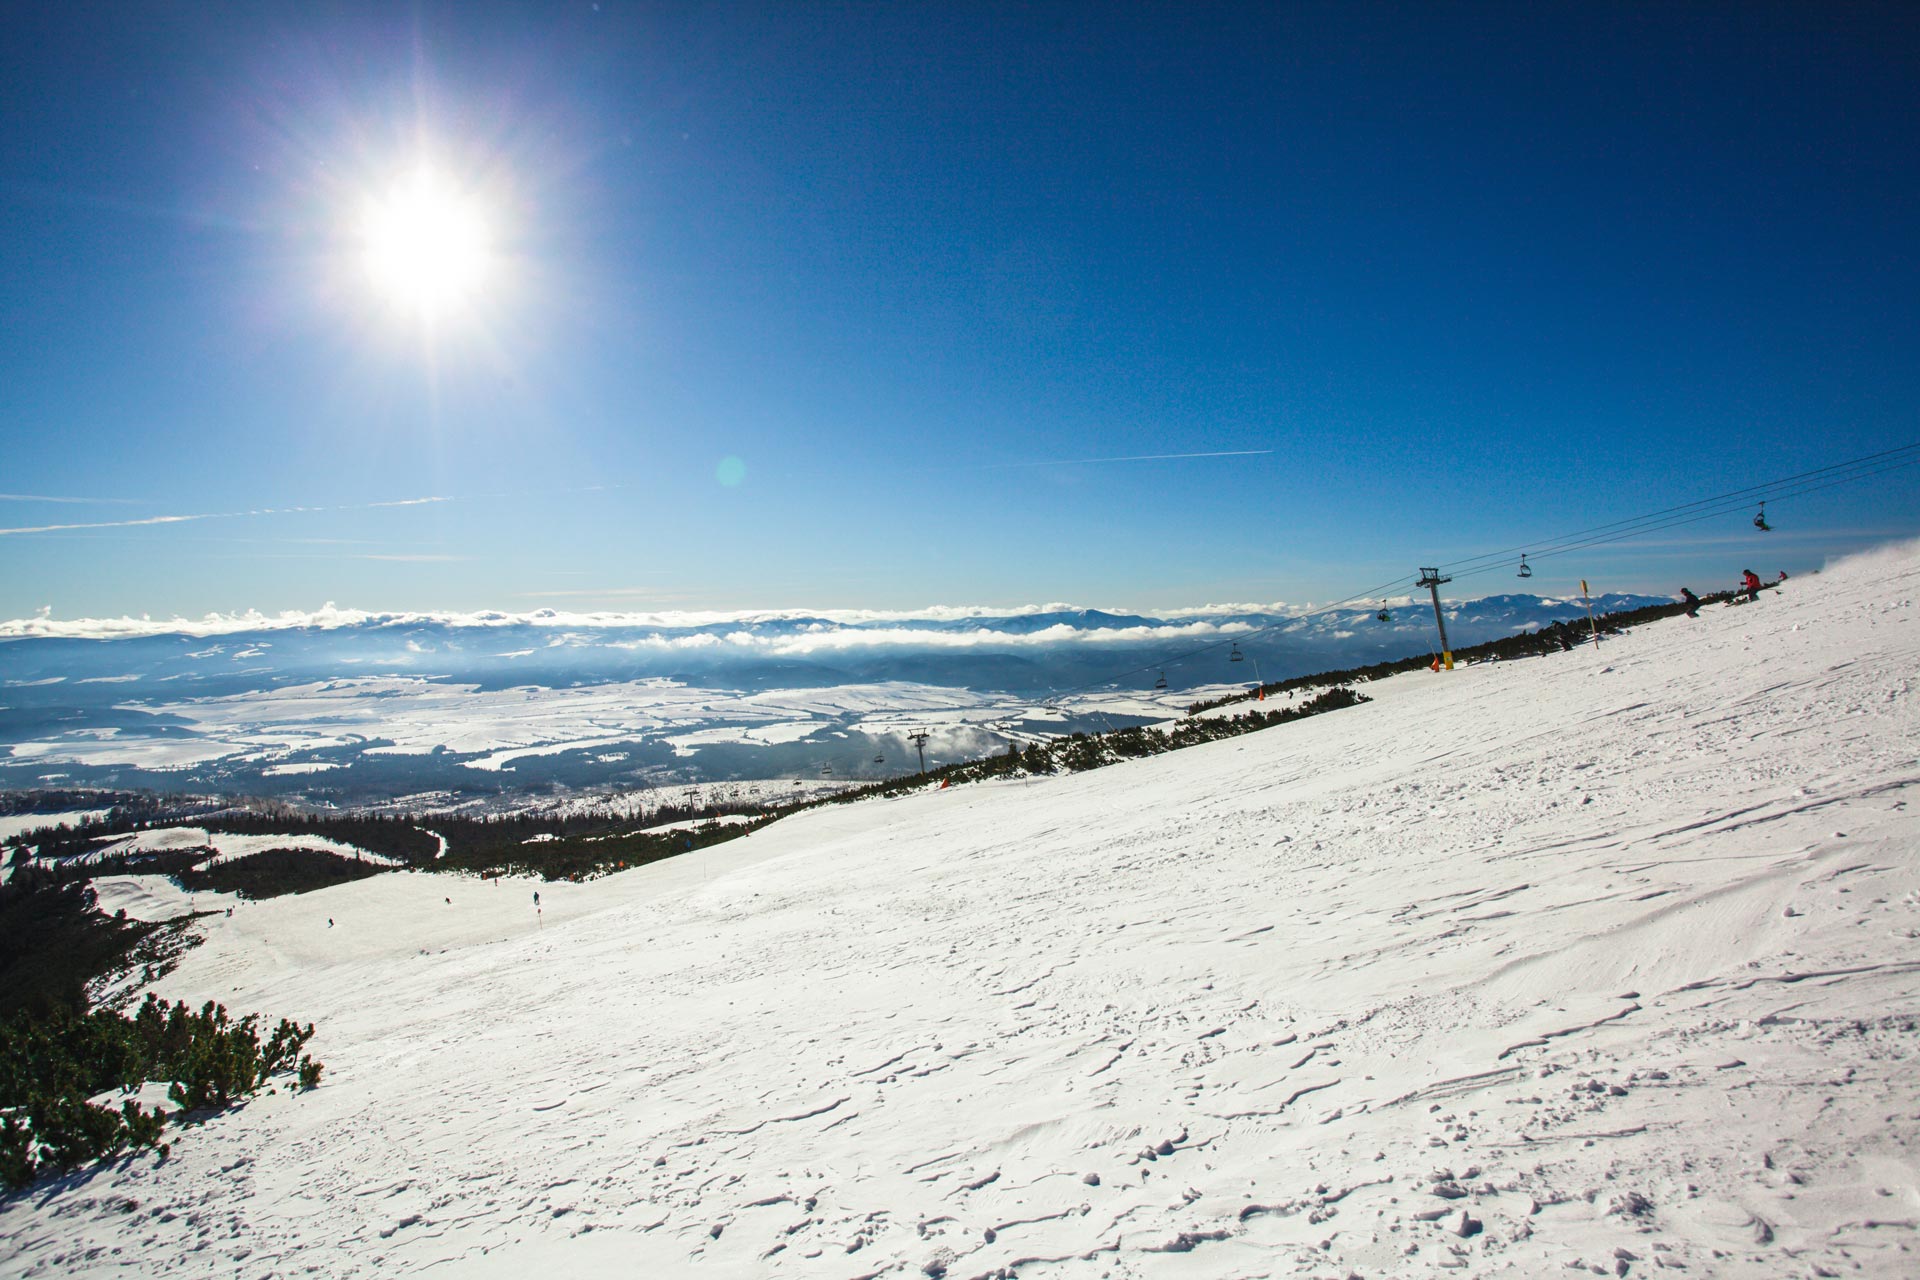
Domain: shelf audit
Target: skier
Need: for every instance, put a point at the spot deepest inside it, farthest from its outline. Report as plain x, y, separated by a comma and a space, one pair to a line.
329, 922
1750, 583
1692, 602
1781, 578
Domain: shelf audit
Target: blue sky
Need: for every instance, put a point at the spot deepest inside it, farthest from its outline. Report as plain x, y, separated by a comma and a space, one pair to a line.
832, 305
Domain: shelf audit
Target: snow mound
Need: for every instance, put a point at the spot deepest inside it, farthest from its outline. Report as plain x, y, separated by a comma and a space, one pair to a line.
1606, 960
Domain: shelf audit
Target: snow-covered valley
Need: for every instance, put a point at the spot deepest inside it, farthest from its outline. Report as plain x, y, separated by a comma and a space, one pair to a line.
1608, 960
341, 708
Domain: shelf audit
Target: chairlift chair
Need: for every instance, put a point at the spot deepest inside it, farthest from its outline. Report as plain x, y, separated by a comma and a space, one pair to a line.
1525, 572
1760, 520
1236, 655
881, 759
1383, 615
1161, 683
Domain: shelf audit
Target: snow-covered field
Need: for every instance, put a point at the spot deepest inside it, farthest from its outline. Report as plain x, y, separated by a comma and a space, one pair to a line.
415, 716
20, 823
156, 898
1608, 960
225, 846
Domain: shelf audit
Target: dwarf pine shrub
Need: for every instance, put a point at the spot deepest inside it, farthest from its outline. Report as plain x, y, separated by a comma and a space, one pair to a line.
53, 1063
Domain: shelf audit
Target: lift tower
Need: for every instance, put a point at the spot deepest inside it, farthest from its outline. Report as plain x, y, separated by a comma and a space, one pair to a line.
1431, 579
919, 740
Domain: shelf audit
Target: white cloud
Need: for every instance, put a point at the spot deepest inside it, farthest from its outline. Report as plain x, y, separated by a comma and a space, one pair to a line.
413, 558
330, 615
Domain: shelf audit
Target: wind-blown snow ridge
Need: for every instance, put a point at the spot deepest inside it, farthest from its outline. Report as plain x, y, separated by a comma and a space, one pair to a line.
1604, 960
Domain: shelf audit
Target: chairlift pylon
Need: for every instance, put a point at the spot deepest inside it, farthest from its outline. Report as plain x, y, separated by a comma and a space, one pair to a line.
1760, 520
1525, 572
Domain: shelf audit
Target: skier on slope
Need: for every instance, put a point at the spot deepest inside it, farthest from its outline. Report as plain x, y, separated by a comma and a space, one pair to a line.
1750, 583
1691, 600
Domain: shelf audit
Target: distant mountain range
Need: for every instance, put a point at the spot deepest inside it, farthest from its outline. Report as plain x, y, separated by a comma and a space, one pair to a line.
1018, 651
347, 701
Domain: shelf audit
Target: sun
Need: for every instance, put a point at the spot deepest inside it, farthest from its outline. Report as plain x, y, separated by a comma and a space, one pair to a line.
426, 245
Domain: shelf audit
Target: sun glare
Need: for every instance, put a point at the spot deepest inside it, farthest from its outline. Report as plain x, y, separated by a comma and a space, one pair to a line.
426, 246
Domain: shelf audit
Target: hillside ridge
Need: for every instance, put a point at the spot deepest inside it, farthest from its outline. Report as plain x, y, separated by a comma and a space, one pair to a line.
1605, 960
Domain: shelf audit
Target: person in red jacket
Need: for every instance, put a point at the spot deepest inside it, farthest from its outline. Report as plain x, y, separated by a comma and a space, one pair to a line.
1750, 583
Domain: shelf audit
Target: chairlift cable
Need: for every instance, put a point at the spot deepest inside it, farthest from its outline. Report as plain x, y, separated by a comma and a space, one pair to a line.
1805, 482
1867, 465
1696, 518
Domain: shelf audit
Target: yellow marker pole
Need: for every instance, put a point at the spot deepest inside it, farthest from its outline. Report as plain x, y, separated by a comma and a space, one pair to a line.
1590, 622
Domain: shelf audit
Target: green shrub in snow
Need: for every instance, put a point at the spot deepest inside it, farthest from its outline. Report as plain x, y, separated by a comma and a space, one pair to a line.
52, 1063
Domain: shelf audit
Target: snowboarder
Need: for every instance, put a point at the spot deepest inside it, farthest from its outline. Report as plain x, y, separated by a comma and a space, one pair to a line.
1691, 600
1750, 583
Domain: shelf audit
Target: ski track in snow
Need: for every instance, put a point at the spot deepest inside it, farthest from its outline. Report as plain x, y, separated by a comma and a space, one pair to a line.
1616, 953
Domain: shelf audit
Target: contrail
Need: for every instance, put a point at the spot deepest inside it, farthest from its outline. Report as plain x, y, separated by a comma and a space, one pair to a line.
47, 497
212, 515
276, 511
1137, 457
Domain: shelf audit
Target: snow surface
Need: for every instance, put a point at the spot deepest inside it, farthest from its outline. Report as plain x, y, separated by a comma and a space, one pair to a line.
697, 824
303, 766
156, 898
16, 824
1620, 946
225, 845
414, 715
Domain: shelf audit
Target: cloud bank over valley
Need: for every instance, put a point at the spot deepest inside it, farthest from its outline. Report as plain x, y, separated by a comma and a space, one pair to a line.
349, 706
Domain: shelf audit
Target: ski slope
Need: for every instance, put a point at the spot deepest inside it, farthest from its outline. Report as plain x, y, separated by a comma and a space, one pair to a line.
1608, 960
222, 846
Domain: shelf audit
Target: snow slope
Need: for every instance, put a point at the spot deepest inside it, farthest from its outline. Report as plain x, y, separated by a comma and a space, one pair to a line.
225, 846
1615, 954
16, 824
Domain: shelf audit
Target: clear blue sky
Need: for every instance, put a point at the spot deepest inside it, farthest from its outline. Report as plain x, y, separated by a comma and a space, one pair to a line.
1474, 274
